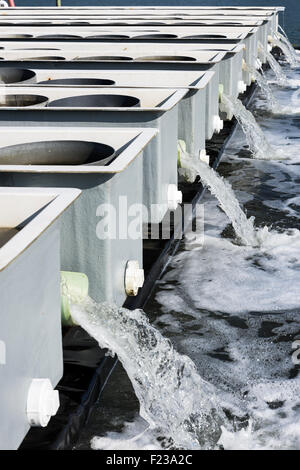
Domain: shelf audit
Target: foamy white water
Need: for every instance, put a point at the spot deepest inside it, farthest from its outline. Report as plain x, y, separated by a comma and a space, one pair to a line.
136, 435
248, 278
281, 418
235, 311
272, 104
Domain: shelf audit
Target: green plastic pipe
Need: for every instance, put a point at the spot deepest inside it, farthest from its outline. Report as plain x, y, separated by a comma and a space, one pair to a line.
221, 91
74, 287
181, 149
58, 3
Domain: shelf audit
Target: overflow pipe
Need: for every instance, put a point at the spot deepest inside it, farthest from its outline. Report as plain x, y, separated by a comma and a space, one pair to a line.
74, 288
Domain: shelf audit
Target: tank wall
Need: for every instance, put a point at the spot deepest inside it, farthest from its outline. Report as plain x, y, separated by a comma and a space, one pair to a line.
30, 326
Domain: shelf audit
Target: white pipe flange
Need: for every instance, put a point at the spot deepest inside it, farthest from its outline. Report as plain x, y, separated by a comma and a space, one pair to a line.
204, 157
42, 402
242, 87
217, 124
134, 278
174, 197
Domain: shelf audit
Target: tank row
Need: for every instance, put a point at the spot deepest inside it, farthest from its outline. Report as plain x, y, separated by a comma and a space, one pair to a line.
98, 107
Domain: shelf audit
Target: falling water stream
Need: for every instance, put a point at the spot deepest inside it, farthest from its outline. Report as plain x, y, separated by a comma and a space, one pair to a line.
284, 44
265, 88
285, 40
222, 190
281, 79
259, 146
272, 103
280, 76
176, 403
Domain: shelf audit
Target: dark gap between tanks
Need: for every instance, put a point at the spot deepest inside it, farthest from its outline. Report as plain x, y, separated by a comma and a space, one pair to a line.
87, 368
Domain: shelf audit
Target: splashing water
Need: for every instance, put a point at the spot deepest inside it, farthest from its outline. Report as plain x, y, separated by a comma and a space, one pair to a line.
290, 54
286, 51
273, 105
263, 84
222, 190
176, 402
228, 336
281, 78
256, 140
285, 38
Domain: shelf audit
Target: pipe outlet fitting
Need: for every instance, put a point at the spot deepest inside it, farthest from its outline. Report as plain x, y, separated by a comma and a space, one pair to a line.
181, 151
42, 402
221, 91
217, 123
174, 197
134, 278
204, 157
74, 287
270, 39
242, 87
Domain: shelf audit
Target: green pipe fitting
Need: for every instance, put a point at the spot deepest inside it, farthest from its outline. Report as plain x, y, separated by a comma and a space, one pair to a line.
221, 91
74, 287
181, 149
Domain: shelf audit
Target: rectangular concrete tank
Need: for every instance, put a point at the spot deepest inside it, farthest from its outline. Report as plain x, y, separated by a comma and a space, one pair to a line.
151, 57
30, 318
164, 37
66, 49
107, 165
117, 107
191, 109
196, 61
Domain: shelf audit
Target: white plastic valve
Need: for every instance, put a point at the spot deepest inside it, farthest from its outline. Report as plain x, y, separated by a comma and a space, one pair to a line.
174, 197
217, 124
204, 157
42, 402
242, 87
134, 278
